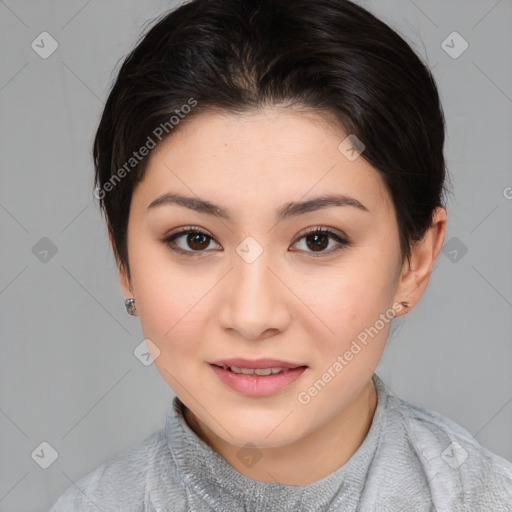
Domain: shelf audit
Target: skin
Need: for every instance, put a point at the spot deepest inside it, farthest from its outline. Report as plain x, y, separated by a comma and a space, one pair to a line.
287, 304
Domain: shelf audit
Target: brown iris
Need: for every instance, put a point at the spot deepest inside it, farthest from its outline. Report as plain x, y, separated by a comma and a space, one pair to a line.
317, 245
198, 241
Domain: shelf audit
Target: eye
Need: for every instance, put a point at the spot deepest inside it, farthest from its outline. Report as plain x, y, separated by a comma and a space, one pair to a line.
318, 239
196, 239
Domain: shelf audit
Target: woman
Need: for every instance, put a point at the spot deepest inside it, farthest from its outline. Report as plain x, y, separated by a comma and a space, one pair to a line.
272, 177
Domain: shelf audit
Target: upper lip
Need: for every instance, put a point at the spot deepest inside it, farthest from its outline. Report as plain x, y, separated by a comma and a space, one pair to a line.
256, 363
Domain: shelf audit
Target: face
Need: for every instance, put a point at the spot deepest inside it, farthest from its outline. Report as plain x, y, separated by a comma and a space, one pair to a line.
254, 282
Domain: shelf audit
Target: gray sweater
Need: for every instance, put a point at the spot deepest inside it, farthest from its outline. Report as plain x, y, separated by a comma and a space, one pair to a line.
412, 459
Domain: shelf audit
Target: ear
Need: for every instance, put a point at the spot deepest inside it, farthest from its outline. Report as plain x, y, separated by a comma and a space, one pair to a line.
416, 270
124, 281
124, 278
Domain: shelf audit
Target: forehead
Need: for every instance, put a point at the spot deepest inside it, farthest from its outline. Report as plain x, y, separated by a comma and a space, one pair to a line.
260, 158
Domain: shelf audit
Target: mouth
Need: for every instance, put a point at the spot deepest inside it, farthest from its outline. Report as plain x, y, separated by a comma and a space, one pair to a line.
262, 372
257, 378
256, 364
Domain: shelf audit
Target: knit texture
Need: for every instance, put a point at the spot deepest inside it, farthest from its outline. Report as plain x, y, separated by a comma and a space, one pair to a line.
411, 459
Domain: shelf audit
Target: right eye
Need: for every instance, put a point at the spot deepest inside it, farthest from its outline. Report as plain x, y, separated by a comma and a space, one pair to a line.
196, 239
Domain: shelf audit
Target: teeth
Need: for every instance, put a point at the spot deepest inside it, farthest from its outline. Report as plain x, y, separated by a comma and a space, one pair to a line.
263, 371
256, 371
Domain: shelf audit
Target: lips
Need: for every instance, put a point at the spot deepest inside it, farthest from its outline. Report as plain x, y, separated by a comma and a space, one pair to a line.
245, 380
256, 363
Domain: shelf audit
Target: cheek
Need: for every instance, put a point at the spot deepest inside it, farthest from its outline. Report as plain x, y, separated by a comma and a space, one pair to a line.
169, 304
353, 290
349, 303
171, 320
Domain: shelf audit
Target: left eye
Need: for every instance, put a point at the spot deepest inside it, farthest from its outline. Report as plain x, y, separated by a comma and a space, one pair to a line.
316, 239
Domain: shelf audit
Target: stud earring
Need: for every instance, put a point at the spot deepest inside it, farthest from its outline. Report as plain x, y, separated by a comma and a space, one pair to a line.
129, 304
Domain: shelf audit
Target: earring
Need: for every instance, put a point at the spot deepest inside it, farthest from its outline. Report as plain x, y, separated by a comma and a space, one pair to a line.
129, 304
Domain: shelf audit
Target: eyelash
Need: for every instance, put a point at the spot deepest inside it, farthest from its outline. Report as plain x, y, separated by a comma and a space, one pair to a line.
342, 242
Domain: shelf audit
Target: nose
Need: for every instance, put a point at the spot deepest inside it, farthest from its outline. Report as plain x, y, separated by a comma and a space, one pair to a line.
254, 301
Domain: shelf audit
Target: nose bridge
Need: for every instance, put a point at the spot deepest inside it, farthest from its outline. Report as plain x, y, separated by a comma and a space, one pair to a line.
252, 276
251, 259
253, 301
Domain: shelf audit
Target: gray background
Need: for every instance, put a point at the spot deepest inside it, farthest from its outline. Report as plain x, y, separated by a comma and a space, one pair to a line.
68, 374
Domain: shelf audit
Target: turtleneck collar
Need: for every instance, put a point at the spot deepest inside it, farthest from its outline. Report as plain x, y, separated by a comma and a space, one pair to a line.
223, 487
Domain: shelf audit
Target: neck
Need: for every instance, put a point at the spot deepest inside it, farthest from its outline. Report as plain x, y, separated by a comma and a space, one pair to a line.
308, 459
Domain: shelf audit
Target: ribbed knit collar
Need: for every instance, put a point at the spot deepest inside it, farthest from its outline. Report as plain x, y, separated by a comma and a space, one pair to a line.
222, 487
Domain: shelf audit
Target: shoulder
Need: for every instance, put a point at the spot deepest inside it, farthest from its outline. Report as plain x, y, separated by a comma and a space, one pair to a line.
460, 471
118, 484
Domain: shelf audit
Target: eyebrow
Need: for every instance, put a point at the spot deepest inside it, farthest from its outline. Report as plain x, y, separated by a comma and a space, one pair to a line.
291, 209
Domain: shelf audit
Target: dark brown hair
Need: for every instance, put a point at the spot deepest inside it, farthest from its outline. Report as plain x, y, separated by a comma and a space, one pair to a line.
330, 56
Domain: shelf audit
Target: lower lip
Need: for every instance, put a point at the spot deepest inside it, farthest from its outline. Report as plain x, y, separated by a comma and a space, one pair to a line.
258, 385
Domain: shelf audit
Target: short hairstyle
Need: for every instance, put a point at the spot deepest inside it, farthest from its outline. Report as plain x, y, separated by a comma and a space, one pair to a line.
331, 57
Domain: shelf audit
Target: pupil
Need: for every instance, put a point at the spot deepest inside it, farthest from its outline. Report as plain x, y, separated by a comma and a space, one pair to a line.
316, 246
192, 240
